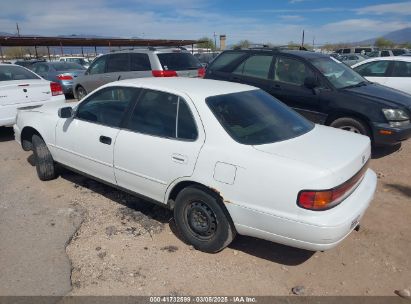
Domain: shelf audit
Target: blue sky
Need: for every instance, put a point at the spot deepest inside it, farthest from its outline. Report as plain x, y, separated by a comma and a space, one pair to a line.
259, 21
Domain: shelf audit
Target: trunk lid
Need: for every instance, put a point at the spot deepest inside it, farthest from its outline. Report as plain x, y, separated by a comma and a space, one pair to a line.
343, 153
24, 91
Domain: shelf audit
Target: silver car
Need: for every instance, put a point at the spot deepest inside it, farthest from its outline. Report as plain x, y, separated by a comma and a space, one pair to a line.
137, 63
351, 59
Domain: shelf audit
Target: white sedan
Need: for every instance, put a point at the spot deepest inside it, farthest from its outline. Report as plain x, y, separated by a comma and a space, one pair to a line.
227, 158
21, 88
393, 72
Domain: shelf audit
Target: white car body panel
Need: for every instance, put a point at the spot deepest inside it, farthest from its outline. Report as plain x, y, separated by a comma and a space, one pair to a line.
258, 185
15, 94
399, 83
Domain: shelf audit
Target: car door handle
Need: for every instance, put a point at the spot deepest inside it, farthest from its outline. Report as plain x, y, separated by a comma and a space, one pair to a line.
105, 140
178, 158
276, 87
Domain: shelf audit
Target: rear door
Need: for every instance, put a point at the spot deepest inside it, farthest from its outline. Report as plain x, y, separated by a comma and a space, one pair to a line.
399, 76
160, 144
86, 141
182, 62
288, 86
256, 70
375, 71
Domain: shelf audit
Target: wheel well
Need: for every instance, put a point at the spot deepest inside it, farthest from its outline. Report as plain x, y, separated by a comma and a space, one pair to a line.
214, 192
26, 136
357, 116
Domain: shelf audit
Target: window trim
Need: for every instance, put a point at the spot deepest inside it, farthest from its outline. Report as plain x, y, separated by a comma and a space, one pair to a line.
126, 122
126, 112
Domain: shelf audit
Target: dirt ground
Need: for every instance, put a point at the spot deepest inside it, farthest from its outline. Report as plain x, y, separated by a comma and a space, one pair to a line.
126, 246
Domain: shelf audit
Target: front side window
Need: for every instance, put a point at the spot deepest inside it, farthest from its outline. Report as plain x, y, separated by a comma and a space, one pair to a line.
118, 63
256, 66
98, 66
339, 74
401, 69
291, 71
11, 72
163, 114
256, 118
107, 106
373, 69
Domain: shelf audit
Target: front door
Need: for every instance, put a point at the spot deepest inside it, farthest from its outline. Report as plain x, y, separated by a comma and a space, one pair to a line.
160, 143
288, 86
86, 141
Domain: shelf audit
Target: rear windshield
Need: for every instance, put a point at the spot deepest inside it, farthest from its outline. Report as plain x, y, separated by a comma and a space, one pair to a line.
256, 118
64, 66
178, 61
11, 72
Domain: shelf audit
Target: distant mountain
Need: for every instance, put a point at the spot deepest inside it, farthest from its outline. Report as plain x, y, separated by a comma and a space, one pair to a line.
399, 37
6, 34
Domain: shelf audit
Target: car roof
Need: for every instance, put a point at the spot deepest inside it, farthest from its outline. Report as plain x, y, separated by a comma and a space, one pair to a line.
299, 53
193, 87
390, 58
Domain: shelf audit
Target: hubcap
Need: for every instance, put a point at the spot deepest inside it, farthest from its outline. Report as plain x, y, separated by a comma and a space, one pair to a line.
350, 129
81, 93
201, 220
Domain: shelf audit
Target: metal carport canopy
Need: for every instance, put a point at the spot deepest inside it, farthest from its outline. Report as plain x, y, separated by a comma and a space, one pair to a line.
76, 41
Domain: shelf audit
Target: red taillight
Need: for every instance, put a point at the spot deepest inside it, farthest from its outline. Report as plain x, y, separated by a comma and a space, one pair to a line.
56, 89
201, 72
167, 73
326, 199
65, 77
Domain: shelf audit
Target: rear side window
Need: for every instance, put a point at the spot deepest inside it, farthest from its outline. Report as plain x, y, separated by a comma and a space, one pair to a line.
256, 118
139, 62
178, 61
107, 106
398, 52
41, 68
8, 73
385, 53
225, 59
373, 69
255, 66
117, 63
401, 69
163, 114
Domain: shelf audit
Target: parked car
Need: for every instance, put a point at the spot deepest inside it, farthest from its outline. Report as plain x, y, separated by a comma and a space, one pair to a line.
393, 72
356, 50
351, 59
21, 88
322, 89
227, 158
28, 63
62, 72
79, 60
387, 53
137, 63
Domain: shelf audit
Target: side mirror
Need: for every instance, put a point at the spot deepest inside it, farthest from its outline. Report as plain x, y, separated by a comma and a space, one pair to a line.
310, 82
66, 112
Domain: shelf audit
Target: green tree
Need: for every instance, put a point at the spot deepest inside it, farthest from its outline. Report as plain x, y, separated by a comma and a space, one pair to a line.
242, 44
383, 43
207, 43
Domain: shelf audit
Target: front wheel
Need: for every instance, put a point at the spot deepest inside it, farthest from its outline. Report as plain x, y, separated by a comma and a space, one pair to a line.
351, 124
81, 93
202, 221
46, 169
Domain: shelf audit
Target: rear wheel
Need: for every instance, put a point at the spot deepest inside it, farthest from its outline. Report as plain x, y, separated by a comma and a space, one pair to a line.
46, 169
81, 93
351, 124
202, 221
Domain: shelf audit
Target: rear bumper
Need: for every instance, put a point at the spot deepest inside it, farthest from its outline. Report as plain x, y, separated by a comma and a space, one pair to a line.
316, 230
392, 135
67, 87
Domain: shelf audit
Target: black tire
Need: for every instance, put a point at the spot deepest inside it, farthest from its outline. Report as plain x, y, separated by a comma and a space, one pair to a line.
202, 221
81, 93
46, 169
351, 124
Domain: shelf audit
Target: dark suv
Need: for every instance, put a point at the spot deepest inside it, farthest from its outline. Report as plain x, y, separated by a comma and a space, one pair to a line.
322, 89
